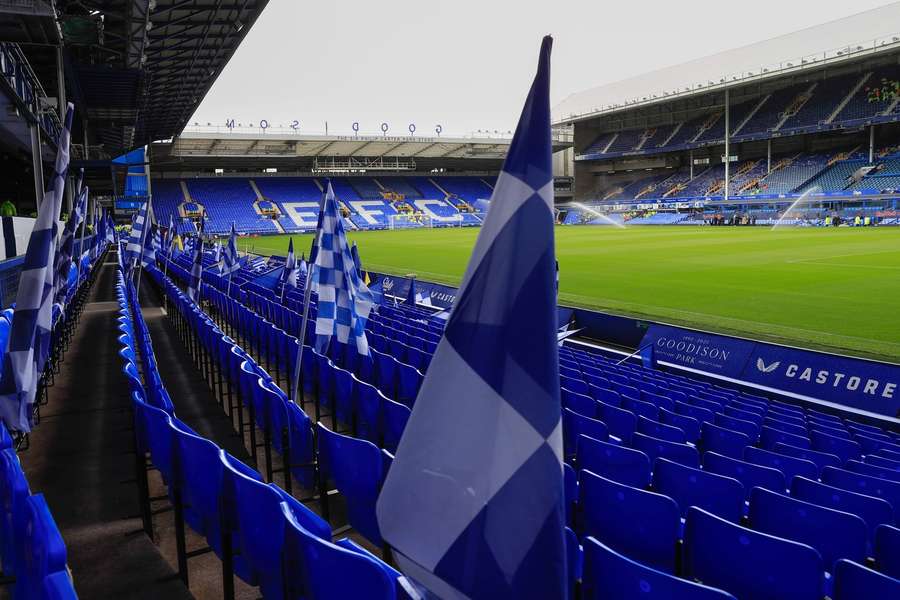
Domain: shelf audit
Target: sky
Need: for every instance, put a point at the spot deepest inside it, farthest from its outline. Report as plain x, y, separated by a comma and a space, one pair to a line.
466, 65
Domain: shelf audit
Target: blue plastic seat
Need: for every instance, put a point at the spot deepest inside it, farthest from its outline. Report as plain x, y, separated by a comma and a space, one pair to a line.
887, 550
791, 467
698, 412
748, 428
843, 448
318, 569
874, 511
722, 496
643, 525
640, 408
716, 438
42, 547
749, 564
749, 474
654, 448
821, 459
769, 436
608, 575
620, 422
865, 484
834, 534
689, 425
853, 581
623, 465
395, 417
880, 461
660, 430
580, 403
58, 586
575, 424
355, 467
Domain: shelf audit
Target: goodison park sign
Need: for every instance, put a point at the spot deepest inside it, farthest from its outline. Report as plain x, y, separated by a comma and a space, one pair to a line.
295, 125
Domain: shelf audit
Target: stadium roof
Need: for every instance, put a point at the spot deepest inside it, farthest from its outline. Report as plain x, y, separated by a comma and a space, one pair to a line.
207, 149
136, 69
862, 35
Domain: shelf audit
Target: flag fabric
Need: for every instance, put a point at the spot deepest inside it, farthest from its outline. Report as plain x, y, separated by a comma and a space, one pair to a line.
153, 245
302, 267
63, 261
344, 300
289, 275
473, 504
230, 256
411, 293
110, 230
193, 290
28, 346
170, 232
135, 246
218, 261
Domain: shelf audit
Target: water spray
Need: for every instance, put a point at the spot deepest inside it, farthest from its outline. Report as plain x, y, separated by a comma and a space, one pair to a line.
599, 214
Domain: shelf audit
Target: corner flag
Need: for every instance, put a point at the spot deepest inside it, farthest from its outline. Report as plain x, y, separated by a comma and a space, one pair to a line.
473, 503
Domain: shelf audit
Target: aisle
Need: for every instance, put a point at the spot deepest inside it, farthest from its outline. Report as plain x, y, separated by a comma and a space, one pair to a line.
80, 459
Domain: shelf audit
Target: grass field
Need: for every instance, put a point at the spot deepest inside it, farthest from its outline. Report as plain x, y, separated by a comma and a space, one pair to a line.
836, 289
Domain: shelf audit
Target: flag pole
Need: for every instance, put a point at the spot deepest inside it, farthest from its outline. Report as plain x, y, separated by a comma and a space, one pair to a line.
147, 222
81, 244
307, 296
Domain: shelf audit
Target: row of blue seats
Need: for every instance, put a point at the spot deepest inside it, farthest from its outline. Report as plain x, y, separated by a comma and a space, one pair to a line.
32, 551
260, 531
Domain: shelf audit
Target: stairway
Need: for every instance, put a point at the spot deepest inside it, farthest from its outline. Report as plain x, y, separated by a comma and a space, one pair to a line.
710, 121
256, 191
435, 184
795, 106
278, 226
648, 133
671, 135
610, 143
486, 183
756, 108
185, 192
848, 97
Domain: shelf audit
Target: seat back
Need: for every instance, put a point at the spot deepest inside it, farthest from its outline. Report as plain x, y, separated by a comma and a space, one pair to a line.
654, 448
608, 575
852, 581
791, 467
874, 511
834, 534
887, 550
821, 459
713, 547
623, 465
641, 524
722, 496
719, 439
865, 484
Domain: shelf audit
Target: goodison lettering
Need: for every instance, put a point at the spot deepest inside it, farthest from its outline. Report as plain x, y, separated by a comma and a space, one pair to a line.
837, 379
691, 348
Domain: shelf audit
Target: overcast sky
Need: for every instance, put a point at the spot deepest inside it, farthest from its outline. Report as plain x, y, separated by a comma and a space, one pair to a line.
467, 64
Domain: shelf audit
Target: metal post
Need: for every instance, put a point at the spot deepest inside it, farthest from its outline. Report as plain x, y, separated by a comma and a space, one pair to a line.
691, 158
871, 144
61, 99
37, 164
727, 144
768, 156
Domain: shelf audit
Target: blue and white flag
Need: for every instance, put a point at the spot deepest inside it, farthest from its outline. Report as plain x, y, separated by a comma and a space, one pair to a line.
135, 246
411, 293
344, 300
289, 275
152, 245
193, 290
110, 230
232, 262
63, 261
29, 338
302, 268
354, 251
473, 504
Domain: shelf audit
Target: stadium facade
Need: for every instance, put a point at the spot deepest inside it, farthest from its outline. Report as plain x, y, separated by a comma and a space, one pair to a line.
812, 114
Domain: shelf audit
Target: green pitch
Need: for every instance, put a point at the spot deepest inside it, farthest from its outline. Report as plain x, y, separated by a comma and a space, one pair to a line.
836, 289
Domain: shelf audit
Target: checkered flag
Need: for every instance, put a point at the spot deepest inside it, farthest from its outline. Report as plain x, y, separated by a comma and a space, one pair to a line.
473, 504
344, 300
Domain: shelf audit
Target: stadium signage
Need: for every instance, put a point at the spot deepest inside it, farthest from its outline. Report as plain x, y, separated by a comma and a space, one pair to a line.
854, 382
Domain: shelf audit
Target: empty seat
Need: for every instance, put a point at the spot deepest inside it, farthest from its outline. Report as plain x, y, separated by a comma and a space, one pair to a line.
575, 424
887, 550
821, 459
643, 525
841, 447
620, 422
689, 425
835, 534
749, 474
620, 464
660, 430
874, 511
873, 470
748, 428
608, 575
722, 496
788, 465
714, 438
768, 437
749, 564
865, 484
853, 581
654, 448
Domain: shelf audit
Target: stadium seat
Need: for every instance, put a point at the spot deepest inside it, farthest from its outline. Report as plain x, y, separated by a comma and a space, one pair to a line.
874, 511
865, 484
715, 438
722, 496
622, 465
769, 436
609, 575
821, 459
749, 474
873, 470
853, 581
844, 449
58, 586
660, 430
621, 423
355, 467
887, 550
575, 424
768, 567
643, 525
748, 428
834, 534
654, 448
791, 467
689, 425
